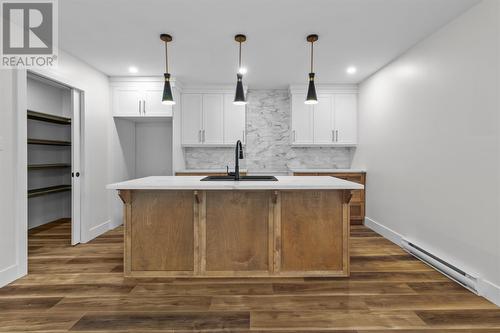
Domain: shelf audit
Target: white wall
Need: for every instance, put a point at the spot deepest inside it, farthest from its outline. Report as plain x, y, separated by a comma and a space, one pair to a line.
95, 124
12, 254
153, 149
429, 138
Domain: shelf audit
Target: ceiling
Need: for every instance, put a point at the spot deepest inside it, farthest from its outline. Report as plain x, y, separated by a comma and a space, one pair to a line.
113, 35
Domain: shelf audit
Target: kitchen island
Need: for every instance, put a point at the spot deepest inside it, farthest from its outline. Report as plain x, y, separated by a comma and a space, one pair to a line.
181, 226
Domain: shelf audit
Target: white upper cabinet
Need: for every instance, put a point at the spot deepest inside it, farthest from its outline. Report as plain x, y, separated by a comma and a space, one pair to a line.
213, 119
192, 118
346, 118
139, 99
331, 122
302, 120
152, 96
127, 101
234, 120
323, 125
209, 118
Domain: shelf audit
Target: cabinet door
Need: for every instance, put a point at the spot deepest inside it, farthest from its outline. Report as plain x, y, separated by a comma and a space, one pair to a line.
152, 103
213, 119
191, 118
323, 120
346, 118
234, 120
127, 101
302, 117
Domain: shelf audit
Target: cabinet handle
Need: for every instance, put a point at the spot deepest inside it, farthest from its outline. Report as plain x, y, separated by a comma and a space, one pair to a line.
139, 106
144, 106
203, 135
199, 135
336, 135
333, 135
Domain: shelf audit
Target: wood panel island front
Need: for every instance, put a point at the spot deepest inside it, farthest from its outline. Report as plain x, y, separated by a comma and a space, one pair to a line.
180, 226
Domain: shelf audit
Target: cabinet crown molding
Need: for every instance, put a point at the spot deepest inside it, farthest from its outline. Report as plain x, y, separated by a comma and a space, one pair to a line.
119, 80
325, 88
210, 89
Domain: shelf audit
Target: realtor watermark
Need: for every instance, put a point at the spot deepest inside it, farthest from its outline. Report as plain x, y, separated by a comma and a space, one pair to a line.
29, 34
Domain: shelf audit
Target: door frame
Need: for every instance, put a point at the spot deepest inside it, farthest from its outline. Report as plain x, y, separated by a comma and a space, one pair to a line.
78, 110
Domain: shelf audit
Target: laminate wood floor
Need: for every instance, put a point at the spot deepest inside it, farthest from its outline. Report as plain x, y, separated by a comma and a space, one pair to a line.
82, 289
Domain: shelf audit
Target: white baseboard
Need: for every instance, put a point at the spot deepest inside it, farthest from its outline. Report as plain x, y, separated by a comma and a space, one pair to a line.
96, 231
384, 231
115, 223
486, 289
489, 290
9, 274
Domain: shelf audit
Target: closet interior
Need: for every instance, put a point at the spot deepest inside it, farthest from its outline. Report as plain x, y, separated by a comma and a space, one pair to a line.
49, 131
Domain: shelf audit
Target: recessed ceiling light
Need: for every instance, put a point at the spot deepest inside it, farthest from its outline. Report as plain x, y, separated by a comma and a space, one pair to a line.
351, 70
133, 69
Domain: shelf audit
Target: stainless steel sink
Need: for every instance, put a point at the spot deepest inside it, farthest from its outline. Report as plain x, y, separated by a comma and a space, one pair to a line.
242, 178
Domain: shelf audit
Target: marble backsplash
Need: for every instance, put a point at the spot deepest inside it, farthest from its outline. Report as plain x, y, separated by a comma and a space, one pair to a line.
268, 146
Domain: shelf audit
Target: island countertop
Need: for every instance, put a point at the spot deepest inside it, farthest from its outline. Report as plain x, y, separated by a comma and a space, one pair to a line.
194, 183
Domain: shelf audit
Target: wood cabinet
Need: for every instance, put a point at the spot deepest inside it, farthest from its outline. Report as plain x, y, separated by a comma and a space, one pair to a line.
357, 203
211, 119
331, 122
139, 99
236, 233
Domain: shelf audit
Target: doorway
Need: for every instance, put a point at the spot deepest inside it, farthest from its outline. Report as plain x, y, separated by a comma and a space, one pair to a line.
54, 154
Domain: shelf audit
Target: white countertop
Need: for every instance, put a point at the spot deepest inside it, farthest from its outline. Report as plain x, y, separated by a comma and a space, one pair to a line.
329, 170
194, 183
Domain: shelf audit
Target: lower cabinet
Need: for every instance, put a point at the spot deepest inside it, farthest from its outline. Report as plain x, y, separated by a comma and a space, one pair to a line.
243, 233
357, 203
152, 244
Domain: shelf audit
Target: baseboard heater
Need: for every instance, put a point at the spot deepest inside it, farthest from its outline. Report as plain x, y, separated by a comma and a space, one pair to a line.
454, 273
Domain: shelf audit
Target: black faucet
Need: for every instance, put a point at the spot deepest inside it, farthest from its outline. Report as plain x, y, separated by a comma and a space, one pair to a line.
238, 154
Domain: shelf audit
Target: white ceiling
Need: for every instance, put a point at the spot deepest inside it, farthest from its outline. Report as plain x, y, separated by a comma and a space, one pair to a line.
112, 35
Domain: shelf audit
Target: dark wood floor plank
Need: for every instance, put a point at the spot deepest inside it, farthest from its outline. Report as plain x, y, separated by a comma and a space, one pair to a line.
65, 290
132, 303
28, 304
286, 303
343, 287
336, 320
163, 321
461, 318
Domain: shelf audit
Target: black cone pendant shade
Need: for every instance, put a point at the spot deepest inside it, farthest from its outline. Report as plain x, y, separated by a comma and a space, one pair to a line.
311, 90
239, 97
168, 97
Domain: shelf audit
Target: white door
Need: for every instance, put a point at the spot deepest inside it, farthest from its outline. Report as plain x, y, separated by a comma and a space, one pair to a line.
234, 120
152, 103
323, 120
302, 117
127, 101
346, 118
213, 119
191, 115
76, 171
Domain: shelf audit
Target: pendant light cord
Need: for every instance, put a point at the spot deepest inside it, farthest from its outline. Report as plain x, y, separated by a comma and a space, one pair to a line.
166, 56
312, 56
239, 59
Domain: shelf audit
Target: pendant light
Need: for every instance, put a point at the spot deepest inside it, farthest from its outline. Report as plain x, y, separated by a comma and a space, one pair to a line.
311, 90
239, 97
168, 98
